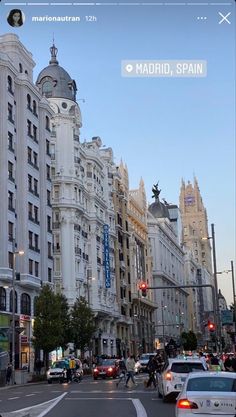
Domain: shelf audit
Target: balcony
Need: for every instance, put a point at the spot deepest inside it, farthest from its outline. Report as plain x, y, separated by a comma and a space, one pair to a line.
30, 281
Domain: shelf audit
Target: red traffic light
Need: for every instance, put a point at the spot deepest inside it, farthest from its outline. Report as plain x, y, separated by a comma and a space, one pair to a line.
143, 288
211, 326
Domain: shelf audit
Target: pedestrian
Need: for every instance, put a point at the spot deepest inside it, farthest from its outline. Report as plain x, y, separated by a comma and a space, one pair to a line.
38, 365
130, 366
123, 370
228, 363
152, 367
203, 360
8, 373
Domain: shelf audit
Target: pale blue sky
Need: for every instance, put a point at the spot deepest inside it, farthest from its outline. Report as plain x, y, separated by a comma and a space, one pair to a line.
164, 129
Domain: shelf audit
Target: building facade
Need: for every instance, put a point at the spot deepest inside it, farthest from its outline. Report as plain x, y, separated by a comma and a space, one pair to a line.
25, 188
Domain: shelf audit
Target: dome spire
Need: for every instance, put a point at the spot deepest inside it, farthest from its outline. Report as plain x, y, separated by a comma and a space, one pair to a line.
53, 51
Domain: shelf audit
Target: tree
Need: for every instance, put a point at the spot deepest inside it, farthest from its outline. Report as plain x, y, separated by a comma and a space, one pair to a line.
189, 340
82, 324
51, 325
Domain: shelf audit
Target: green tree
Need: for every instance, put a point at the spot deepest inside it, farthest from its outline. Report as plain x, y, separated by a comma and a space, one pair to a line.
51, 325
82, 324
189, 340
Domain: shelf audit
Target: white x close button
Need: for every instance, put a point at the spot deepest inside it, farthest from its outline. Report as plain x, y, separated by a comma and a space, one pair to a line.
224, 18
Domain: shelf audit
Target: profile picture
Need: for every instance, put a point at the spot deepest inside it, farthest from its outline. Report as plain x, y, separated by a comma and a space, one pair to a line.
16, 18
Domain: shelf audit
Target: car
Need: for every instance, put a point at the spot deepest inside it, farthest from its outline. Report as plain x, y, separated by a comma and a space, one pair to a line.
144, 359
208, 394
173, 375
106, 368
56, 372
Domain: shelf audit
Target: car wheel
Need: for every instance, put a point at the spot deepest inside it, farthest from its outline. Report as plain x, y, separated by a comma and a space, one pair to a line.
49, 381
95, 378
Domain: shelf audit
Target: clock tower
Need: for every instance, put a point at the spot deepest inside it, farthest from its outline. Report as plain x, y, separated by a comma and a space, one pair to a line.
195, 224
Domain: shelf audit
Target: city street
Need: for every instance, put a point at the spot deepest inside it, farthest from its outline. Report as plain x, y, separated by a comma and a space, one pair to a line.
88, 399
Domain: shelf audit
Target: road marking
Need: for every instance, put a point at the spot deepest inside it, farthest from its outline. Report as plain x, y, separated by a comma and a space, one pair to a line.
13, 398
52, 403
118, 391
141, 412
30, 395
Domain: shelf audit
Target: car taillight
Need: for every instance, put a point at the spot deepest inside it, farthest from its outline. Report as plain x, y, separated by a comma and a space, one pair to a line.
95, 370
184, 403
168, 376
110, 369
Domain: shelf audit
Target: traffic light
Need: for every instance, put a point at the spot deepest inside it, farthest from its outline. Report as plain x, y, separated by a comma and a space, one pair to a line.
143, 288
211, 326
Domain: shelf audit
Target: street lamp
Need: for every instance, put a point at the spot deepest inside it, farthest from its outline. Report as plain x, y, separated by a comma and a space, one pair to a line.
217, 318
14, 254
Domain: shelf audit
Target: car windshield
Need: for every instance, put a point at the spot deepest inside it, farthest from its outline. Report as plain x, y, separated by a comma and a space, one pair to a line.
59, 364
219, 384
186, 367
107, 362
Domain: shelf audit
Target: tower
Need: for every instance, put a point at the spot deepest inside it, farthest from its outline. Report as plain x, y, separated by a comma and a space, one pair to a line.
195, 224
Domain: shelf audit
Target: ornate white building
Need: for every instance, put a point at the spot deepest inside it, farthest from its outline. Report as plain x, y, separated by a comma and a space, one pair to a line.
83, 211
25, 189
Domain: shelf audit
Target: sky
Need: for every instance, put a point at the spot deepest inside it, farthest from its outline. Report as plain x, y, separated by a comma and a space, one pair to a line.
164, 129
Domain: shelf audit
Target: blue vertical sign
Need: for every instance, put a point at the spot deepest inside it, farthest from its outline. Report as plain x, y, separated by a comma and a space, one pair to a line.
107, 256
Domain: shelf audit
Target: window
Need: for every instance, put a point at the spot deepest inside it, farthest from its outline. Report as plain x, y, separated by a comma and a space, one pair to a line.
30, 267
49, 250
29, 102
10, 113
29, 128
49, 275
20, 68
36, 187
35, 108
10, 201
35, 133
35, 159
11, 296
48, 172
10, 260
36, 214
30, 211
9, 84
47, 89
10, 141
2, 299
10, 231
36, 242
49, 228
30, 240
29, 153
25, 304
48, 147
47, 126
36, 269
48, 198
30, 183
10, 171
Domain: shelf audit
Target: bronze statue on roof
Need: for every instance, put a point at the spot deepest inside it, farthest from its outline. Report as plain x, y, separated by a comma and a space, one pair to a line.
156, 191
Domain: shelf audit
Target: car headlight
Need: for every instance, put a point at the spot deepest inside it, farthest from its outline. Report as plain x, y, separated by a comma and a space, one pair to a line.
110, 369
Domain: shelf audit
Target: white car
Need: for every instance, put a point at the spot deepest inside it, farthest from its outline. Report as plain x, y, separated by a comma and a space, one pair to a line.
208, 394
174, 373
144, 359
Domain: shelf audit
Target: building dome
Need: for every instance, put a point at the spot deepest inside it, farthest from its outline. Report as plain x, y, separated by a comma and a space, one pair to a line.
158, 209
53, 81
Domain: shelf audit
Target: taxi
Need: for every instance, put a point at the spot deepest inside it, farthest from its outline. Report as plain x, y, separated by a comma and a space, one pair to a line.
208, 394
174, 373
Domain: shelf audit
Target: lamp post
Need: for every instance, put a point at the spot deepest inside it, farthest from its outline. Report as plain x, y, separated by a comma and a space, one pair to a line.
14, 254
217, 316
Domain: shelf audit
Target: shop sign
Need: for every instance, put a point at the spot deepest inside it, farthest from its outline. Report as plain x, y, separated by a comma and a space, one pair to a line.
24, 317
24, 339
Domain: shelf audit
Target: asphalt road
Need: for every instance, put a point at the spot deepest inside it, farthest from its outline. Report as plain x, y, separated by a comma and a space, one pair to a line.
86, 399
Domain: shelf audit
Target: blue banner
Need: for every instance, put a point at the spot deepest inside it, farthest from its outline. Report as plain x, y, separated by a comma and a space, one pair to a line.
106, 256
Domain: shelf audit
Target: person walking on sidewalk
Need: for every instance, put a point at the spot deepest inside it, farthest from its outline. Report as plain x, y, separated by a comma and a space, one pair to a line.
130, 366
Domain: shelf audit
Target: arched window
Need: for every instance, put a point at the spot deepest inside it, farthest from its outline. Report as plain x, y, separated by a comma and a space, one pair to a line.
25, 304
28, 102
47, 89
47, 123
12, 300
9, 84
34, 108
2, 299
